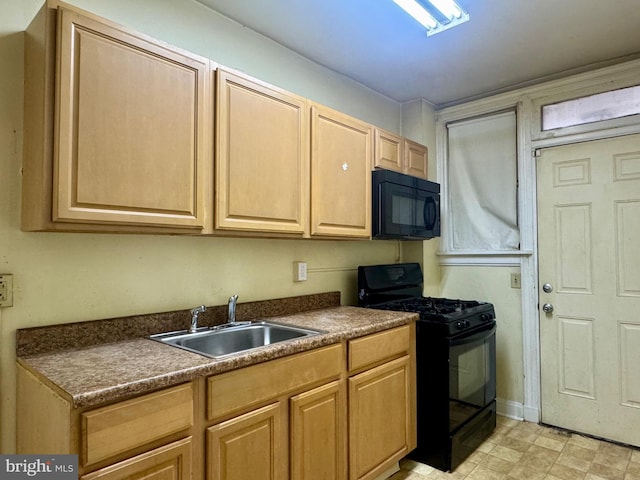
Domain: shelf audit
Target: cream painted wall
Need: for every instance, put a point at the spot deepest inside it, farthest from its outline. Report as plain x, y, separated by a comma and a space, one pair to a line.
493, 284
419, 124
61, 278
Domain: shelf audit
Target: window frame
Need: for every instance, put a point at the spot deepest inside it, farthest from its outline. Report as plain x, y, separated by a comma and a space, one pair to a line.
447, 253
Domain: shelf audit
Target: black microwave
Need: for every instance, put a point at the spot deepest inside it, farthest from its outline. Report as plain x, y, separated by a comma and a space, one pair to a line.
404, 207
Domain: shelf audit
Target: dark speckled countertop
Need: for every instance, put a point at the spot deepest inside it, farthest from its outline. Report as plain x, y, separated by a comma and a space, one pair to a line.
98, 374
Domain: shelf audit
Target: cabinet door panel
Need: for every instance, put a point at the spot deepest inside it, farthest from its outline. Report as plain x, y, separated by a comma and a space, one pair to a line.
379, 418
130, 140
341, 152
318, 434
170, 462
389, 152
416, 159
247, 447
262, 157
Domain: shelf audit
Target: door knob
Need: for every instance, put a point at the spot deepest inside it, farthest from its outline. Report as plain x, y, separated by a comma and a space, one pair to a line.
547, 287
548, 308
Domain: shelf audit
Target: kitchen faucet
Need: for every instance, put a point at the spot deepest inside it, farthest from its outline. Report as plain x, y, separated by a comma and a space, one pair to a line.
232, 310
194, 317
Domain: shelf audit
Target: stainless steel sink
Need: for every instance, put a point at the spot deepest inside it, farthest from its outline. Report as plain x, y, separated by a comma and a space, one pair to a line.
234, 339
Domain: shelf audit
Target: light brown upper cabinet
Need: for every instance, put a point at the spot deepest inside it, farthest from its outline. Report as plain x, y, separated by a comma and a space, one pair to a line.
393, 152
262, 157
341, 154
117, 129
389, 151
415, 159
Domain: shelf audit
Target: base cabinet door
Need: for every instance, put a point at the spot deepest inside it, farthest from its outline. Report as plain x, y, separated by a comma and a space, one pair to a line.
379, 418
170, 462
318, 430
247, 447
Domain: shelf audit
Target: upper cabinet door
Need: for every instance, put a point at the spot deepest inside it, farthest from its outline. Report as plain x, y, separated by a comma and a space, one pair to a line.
389, 152
394, 152
132, 142
262, 157
416, 159
341, 154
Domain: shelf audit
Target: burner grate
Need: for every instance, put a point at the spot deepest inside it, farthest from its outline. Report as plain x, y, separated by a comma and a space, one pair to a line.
430, 306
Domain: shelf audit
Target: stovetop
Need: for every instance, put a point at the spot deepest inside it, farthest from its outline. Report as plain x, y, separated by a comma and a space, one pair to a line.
399, 287
443, 315
436, 309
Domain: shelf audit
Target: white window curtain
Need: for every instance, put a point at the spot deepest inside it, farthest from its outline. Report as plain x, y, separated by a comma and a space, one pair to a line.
482, 184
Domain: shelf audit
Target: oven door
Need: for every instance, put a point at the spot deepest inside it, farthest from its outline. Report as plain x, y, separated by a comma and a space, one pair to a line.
472, 374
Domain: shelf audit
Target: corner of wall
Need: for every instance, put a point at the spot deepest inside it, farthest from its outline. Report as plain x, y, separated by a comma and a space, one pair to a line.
418, 119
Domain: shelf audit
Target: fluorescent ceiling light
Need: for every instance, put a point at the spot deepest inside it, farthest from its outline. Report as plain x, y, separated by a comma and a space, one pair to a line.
434, 15
418, 12
448, 8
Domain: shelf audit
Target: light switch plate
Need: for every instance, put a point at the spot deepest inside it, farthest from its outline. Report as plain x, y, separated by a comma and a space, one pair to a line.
515, 280
6, 290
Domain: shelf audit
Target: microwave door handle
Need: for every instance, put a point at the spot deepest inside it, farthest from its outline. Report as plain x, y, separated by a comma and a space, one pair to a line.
429, 213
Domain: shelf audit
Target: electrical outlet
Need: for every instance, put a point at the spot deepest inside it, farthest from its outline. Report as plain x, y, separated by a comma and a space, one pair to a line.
515, 280
300, 271
6, 290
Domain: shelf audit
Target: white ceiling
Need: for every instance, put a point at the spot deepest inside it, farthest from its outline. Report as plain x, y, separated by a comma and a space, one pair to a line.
506, 44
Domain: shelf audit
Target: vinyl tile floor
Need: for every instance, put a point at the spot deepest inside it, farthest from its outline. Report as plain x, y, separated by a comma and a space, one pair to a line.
527, 451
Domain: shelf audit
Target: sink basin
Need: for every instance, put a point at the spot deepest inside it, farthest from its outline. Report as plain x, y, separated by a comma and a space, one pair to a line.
234, 339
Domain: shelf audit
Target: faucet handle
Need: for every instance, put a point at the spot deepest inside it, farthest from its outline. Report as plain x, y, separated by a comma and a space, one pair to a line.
233, 300
198, 310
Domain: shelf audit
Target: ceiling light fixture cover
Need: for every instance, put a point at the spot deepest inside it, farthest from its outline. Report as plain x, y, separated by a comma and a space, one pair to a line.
434, 15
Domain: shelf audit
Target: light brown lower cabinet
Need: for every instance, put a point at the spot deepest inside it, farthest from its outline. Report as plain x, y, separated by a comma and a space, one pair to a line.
318, 437
248, 446
150, 436
382, 408
282, 419
169, 462
379, 418
345, 410
257, 444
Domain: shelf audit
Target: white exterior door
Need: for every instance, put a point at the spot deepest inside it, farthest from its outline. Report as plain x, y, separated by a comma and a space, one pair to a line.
589, 254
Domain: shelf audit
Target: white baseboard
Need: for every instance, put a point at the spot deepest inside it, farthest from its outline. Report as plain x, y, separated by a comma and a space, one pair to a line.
532, 414
510, 409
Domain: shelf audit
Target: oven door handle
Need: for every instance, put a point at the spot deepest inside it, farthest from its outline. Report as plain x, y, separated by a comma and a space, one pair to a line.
475, 337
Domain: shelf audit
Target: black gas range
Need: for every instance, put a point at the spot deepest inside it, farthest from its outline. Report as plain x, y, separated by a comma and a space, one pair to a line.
455, 362
399, 287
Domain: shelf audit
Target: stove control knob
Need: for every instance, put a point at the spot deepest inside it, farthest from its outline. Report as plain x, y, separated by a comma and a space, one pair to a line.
485, 317
460, 325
